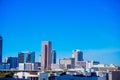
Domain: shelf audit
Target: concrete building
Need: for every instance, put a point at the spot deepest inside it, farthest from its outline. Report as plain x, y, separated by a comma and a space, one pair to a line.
78, 55
6, 60
107, 68
46, 55
21, 66
68, 62
57, 66
90, 64
26, 66
114, 75
37, 65
29, 66
13, 61
26, 57
1, 41
43, 76
53, 57
80, 64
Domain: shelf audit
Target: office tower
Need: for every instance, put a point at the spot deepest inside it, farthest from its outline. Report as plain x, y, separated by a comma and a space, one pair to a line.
78, 55
26, 57
46, 55
53, 57
1, 48
13, 61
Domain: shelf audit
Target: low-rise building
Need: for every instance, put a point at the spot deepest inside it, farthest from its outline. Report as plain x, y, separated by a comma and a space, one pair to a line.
4, 66
114, 75
68, 62
37, 65
80, 64
57, 66
13, 61
90, 64
26, 66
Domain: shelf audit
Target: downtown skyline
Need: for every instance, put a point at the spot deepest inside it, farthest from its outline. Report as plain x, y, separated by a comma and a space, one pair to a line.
91, 26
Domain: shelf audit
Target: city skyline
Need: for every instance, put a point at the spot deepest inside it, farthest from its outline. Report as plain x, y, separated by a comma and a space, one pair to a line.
91, 26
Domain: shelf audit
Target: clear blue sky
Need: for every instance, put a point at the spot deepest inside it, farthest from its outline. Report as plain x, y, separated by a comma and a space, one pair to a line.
92, 26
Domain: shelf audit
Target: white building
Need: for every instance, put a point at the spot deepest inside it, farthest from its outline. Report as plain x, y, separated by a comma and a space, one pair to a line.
77, 54
26, 66
21, 66
21, 75
26, 75
90, 64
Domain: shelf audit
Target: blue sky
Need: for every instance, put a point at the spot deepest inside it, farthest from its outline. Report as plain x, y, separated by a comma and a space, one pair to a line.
92, 26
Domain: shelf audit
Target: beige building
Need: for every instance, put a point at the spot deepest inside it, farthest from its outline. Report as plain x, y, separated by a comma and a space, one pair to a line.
68, 62
46, 55
80, 64
57, 66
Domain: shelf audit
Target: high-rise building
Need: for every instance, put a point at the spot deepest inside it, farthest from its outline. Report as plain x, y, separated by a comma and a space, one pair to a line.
53, 57
1, 48
46, 55
13, 61
78, 55
26, 57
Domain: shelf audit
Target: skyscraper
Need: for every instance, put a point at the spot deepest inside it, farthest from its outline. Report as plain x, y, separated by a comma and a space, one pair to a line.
1, 49
53, 57
26, 57
46, 55
78, 55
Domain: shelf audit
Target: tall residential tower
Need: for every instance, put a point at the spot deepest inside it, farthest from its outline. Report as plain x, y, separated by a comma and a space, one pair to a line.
46, 55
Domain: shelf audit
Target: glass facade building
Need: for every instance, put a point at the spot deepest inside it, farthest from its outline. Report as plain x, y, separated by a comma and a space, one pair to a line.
53, 57
13, 61
26, 57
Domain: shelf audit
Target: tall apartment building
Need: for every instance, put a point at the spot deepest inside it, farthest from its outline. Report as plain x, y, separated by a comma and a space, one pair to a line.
46, 55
